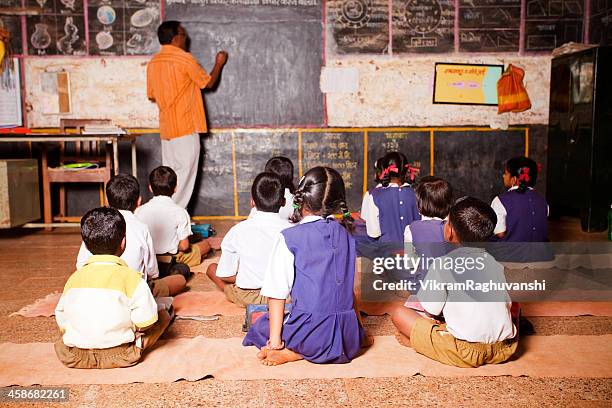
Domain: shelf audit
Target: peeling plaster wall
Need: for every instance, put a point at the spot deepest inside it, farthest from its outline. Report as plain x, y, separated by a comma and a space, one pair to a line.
100, 88
399, 92
392, 92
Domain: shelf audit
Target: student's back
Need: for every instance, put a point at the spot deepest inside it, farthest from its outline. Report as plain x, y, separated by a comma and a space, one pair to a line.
324, 252
168, 223
388, 210
526, 216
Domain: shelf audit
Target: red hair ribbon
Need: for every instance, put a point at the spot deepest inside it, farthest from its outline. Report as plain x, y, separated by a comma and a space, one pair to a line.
413, 171
524, 175
539, 167
391, 168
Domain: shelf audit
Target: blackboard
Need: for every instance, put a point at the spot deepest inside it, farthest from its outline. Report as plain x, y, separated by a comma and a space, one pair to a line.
275, 58
472, 161
342, 151
600, 27
13, 25
122, 27
359, 26
415, 145
423, 26
551, 23
489, 25
58, 30
253, 150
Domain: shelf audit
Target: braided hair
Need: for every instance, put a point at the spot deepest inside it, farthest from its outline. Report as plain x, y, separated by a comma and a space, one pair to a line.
525, 170
394, 165
321, 191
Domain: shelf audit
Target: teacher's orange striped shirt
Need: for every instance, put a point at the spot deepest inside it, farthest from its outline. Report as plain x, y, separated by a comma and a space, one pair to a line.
174, 81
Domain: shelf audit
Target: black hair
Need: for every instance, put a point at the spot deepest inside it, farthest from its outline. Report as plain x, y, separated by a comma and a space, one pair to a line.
378, 170
284, 168
268, 192
167, 31
473, 220
123, 192
434, 196
394, 165
322, 192
102, 230
525, 170
163, 181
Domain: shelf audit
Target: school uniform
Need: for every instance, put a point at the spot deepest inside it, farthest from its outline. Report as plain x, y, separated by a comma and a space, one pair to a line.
101, 304
388, 210
478, 326
523, 217
245, 250
285, 211
168, 224
139, 253
425, 238
313, 261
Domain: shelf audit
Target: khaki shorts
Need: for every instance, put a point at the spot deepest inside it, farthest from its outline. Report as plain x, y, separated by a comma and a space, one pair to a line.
159, 288
191, 258
432, 340
243, 297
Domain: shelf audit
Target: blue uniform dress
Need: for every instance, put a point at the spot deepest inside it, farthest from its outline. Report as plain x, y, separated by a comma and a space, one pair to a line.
397, 208
322, 325
526, 228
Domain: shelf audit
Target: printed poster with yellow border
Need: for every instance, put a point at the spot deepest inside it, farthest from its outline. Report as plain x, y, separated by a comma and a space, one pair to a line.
466, 84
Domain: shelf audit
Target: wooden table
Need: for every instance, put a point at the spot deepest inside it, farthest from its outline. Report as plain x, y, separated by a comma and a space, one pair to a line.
49, 138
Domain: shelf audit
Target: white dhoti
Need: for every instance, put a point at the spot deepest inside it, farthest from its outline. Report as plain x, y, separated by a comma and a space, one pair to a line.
182, 155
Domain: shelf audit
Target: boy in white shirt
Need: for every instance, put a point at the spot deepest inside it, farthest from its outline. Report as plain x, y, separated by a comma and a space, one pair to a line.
169, 223
247, 245
123, 194
478, 326
107, 314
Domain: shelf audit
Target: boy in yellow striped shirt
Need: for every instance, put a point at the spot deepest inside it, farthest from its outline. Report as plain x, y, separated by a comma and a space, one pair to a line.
107, 314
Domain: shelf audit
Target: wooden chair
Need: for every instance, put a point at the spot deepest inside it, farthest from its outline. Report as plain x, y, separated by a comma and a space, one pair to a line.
84, 151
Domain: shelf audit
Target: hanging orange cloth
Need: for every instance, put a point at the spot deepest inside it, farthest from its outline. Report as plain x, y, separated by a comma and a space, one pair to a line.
5, 49
511, 93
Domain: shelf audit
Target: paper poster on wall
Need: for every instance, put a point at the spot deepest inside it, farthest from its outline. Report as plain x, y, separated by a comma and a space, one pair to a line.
466, 84
10, 96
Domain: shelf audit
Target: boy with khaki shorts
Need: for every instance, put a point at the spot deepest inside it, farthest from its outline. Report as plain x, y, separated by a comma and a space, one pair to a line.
106, 314
478, 327
248, 244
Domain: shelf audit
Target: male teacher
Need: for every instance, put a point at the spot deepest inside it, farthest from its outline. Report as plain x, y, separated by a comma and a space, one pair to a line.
174, 81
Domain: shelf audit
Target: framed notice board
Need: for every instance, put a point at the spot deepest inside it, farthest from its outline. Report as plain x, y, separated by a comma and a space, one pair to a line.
466, 84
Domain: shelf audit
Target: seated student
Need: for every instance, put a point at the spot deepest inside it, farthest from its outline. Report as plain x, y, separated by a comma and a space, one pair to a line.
246, 247
313, 261
169, 223
107, 314
123, 194
389, 209
479, 328
521, 215
425, 237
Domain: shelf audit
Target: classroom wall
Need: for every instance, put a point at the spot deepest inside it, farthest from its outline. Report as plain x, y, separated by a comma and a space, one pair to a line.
100, 87
398, 91
393, 91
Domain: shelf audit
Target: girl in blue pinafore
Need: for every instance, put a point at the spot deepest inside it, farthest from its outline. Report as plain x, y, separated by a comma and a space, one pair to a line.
389, 209
521, 215
314, 262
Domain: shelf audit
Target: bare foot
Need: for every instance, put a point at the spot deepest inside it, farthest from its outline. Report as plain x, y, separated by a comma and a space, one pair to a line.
263, 353
277, 357
402, 339
367, 341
